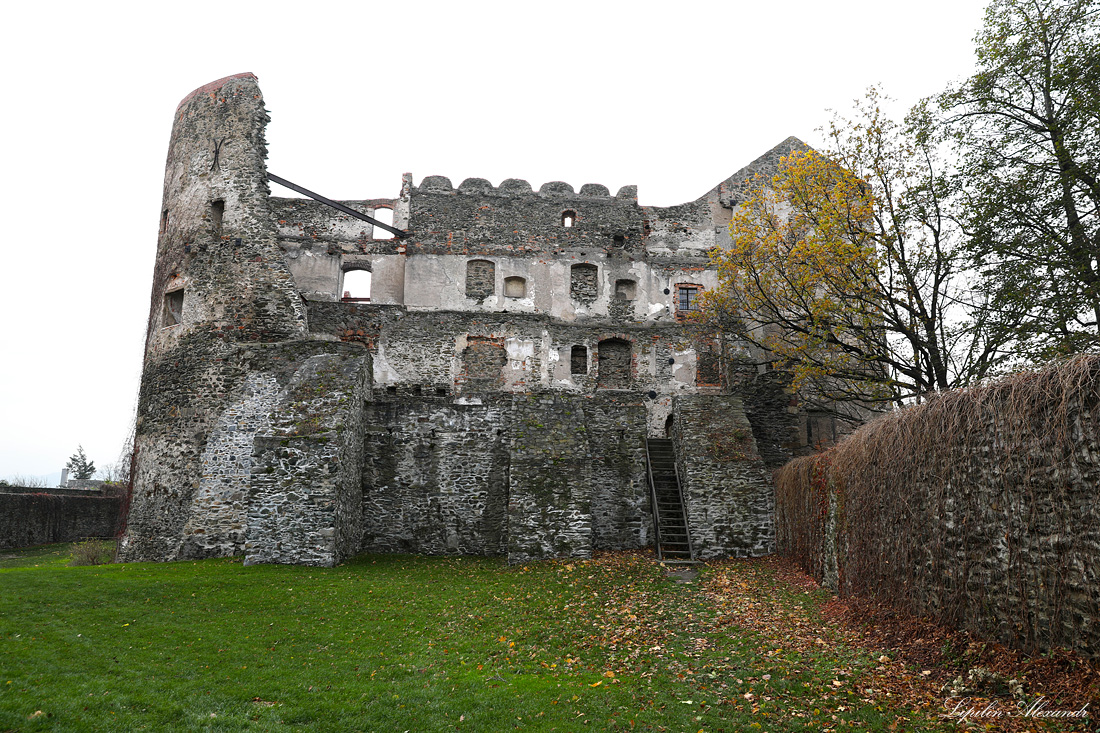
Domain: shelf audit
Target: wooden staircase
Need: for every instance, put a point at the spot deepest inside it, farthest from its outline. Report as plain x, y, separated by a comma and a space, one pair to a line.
669, 515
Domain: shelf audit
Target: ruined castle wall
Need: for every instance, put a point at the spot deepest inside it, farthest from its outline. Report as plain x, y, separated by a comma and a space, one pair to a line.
530, 476
220, 280
321, 243
616, 428
551, 482
772, 409
435, 478
216, 525
492, 397
436, 350
729, 495
512, 220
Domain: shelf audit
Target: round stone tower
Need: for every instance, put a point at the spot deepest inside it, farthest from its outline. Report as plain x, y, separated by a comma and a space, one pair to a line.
220, 283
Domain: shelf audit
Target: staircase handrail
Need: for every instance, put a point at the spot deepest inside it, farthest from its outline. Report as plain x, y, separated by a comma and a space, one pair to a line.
683, 504
653, 502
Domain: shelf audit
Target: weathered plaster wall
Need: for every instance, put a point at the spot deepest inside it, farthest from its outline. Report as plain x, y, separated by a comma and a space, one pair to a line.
729, 495
432, 350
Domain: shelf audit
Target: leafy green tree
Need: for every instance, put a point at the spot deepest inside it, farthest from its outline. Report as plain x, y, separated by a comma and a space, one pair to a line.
846, 269
79, 466
1028, 129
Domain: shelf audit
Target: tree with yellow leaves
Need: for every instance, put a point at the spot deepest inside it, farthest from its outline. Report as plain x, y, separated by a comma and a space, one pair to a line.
846, 269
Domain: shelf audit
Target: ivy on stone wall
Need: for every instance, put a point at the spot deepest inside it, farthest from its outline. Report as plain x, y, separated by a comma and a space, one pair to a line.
977, 508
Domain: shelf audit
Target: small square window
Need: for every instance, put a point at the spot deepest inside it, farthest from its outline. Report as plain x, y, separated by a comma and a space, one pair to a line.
515, 287
625, 289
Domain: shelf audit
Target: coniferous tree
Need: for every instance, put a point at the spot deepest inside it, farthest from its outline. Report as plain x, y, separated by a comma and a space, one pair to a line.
79, 466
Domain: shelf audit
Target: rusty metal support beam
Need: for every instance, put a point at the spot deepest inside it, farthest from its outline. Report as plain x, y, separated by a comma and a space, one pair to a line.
400, 234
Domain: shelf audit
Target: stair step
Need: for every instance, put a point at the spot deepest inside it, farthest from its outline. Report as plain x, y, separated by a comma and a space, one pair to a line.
675, 540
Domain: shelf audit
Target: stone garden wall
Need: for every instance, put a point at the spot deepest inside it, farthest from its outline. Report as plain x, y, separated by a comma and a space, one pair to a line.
978, 508
30, 516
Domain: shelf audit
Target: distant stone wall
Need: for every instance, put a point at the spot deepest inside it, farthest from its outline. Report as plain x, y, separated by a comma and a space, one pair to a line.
85, 483
31, 516
728, 494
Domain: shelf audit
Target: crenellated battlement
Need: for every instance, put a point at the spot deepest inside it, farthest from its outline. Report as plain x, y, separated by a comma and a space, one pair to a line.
521, 187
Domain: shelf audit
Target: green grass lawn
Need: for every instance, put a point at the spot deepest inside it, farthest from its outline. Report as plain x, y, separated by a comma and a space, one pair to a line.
398, 643
40, 556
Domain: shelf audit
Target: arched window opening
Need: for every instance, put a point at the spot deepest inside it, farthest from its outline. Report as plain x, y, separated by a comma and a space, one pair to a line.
568, 218
357, 286
584, 282
480, 279
613, 364
386, 217
578, 360
515, 287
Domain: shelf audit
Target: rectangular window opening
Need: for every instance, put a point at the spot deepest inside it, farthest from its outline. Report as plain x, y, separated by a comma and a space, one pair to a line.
578, 360
385, 216
217, 210
688, 299
173, 308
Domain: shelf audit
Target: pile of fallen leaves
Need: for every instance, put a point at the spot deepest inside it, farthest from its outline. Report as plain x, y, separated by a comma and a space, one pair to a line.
924, 666
1062, 678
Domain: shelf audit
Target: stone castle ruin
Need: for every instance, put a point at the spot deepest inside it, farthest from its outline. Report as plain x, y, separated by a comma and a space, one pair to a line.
520, 382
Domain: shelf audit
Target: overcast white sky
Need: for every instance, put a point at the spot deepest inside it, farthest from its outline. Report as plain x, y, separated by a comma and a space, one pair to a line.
673, 97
